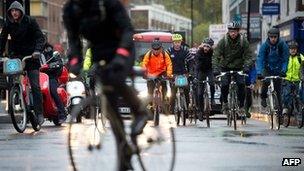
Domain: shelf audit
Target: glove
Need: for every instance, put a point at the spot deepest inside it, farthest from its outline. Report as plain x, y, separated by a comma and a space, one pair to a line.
75, 65
216, 73
282, 74
260, 76
246, 70
36, 55
117, 69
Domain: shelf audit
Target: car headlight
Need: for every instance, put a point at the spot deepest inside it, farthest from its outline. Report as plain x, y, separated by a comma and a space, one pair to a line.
143, 94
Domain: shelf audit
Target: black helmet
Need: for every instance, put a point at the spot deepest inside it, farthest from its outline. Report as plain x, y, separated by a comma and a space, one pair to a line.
293, 45
234, 25
156, 44
209, 41
274, 32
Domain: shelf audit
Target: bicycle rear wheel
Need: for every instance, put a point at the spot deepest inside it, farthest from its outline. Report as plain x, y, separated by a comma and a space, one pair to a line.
17, 109
157, 147
84, 137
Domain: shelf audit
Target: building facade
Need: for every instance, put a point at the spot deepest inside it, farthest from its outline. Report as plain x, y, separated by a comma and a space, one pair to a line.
155, 17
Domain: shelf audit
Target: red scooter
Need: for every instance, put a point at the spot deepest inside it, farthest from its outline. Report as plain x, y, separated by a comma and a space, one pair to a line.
49, 106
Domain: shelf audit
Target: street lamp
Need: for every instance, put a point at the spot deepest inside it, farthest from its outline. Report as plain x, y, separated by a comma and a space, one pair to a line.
192, 23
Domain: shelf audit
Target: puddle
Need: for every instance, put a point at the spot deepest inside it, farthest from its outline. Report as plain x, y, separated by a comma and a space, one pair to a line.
243, 134
243, 142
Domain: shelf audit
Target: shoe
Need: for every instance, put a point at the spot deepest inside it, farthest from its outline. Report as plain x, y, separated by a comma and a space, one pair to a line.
263, 102
40, 119
285, 111
62, 119
200, 116
139, 124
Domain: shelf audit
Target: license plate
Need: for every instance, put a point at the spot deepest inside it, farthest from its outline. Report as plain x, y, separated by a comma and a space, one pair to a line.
124, 110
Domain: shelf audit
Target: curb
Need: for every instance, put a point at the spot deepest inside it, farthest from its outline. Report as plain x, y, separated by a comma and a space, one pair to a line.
264, 118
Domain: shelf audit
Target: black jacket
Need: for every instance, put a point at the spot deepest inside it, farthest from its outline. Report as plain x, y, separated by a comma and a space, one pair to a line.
54, 61
203, 61
26, 37
180, 60
105, 23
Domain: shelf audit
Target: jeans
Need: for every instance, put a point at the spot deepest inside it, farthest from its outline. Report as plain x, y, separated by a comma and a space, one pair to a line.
53, 89
225, 82
33, 76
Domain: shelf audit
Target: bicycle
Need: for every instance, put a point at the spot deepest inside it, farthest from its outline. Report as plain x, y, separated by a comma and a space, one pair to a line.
20, 96
273, 109
297, 108
181, 107
192, 107
232, 99
206, 100
157, 98
155, 145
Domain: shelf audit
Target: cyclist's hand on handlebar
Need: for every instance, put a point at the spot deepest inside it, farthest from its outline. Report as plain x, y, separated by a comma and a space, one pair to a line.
282, 74
74, 65
36, 55
246, 70
260, 76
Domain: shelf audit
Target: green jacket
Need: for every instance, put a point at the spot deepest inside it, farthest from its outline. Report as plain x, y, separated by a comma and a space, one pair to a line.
294, 68
87, 60
232, 54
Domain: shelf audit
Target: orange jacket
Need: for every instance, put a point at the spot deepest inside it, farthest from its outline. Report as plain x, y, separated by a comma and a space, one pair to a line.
155, 65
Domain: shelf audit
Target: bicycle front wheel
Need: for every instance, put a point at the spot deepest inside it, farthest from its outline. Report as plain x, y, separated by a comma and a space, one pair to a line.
207, 109
157, 148
17, 109
276, 118
87, 136
300, 118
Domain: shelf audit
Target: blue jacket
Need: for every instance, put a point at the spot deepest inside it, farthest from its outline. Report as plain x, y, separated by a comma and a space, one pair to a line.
273, 59
251, 76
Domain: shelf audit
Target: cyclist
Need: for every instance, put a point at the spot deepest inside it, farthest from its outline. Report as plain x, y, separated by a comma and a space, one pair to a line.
54, 71
203, 70
180, 56
26, 39
157, 63
250, 81
293, 76
232, 53
272, 61
107, 27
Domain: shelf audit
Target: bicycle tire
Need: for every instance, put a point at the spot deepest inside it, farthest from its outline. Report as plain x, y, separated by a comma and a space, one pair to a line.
207, 109
276, 119
156, 115
300, 119
177, 112
286, 119
184, 109
89, 138
233, 109
154, 152
15, 94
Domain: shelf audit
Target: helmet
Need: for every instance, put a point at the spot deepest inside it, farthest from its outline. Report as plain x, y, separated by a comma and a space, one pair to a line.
177, 37
274, 32
293, 45
208, 41
156, 44
234, 25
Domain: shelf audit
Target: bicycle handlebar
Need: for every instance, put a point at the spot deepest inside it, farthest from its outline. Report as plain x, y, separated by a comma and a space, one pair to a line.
272, 77
241, 73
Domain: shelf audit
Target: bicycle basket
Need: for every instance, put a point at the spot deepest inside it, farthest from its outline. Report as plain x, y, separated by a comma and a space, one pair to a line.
12, 66
181, 81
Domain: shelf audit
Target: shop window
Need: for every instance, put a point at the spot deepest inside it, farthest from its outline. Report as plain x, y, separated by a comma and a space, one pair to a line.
300, 5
